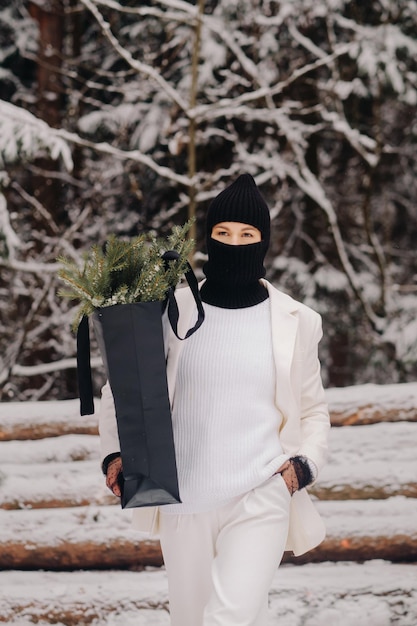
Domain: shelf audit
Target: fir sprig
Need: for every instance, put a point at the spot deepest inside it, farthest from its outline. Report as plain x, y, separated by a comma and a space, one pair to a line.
125, 271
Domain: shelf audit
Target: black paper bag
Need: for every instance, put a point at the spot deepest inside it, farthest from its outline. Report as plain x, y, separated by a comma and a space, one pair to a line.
130, 339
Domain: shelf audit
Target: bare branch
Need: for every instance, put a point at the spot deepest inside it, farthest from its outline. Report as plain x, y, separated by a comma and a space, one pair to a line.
31, 267
124, 155
184, 10
217, 109
12, 240
192, 130
134, 63
37, 206
47, 368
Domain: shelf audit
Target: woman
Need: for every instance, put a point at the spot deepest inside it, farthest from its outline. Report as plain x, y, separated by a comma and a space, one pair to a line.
250, 428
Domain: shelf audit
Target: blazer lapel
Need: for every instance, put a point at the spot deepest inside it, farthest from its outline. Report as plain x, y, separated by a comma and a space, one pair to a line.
284, 324
187, 318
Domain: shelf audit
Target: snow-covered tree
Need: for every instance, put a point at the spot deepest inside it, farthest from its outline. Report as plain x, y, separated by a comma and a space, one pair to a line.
162, 104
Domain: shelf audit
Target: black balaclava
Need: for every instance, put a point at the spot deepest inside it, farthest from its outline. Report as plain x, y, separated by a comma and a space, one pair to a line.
233, 272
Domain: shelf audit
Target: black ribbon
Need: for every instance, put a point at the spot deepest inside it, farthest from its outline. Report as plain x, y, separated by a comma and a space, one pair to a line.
85, 383
173, 311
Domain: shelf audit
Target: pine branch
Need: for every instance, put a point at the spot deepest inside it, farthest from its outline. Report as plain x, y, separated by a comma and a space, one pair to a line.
125, 271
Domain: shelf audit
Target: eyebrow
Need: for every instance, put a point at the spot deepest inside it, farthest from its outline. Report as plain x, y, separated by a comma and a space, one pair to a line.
228, 228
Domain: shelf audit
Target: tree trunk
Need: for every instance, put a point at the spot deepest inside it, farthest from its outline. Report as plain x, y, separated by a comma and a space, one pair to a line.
192, 159
51, 32
50, 97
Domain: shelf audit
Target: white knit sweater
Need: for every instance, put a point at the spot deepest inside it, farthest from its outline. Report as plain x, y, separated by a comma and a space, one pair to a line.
224, 417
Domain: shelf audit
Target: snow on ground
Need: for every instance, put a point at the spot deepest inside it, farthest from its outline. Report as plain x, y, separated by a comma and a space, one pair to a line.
373, 593
401, 397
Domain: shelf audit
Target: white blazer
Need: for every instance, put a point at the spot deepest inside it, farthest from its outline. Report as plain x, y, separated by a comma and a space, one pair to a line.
296, 332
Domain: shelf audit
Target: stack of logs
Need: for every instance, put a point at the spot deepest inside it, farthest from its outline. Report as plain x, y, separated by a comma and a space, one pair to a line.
56, 513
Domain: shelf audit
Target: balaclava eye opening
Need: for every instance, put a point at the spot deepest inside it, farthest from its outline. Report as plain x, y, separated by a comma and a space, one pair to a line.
233, 272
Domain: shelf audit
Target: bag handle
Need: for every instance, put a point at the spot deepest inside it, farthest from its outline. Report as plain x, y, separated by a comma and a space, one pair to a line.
173, 311
85, 384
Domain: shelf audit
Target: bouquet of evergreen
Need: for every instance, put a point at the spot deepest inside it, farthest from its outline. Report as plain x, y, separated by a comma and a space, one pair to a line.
126, 271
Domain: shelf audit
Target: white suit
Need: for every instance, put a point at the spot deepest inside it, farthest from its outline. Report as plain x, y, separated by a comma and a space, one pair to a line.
296, 332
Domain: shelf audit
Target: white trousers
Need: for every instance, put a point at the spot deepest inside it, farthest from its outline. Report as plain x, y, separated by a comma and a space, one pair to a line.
220, 563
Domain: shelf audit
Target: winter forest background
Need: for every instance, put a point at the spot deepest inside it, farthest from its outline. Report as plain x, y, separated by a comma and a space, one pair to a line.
124, 116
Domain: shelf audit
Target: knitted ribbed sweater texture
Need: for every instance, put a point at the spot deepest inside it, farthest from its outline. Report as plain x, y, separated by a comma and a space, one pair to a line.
224, 415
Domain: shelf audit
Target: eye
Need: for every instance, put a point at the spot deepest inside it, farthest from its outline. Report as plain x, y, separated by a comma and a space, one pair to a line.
249, 234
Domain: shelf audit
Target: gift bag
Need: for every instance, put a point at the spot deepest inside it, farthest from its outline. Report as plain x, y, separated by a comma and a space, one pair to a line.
130, 339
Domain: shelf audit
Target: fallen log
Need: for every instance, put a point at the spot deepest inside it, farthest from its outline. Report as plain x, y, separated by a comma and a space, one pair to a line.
77, 538
117, 553
63, 449
365, 530
369, 404
65, 471
372, 461
101, 537
358, 404
83, 485
38, 420
377, 490
51, 485
397, 548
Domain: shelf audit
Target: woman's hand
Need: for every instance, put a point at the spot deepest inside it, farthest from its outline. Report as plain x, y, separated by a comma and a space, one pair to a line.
289, 475
113, 471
